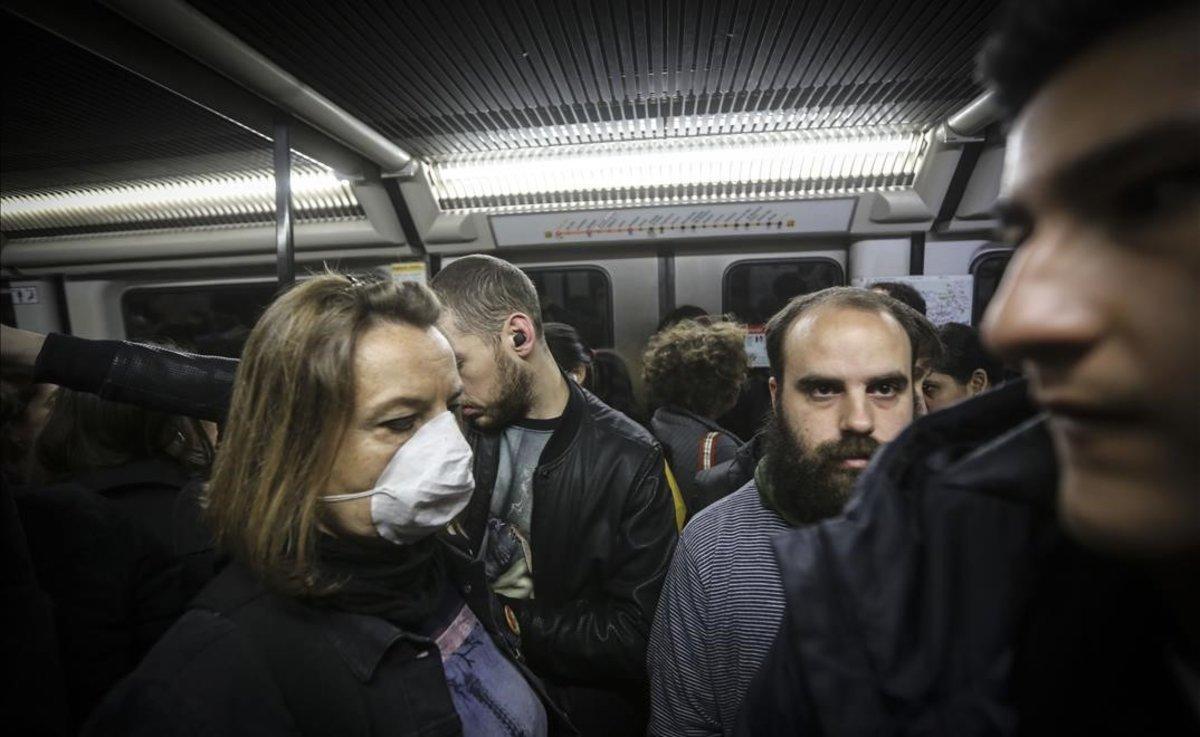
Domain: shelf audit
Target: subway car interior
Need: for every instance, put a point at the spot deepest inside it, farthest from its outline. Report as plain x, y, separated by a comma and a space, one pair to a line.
181, 181
630, 158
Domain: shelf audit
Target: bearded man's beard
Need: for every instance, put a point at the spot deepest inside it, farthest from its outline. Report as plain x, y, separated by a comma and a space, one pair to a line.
516, 395
810, 485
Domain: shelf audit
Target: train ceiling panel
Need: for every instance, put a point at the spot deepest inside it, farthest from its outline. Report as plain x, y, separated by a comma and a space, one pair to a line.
72, 118
446, 78
555, 105
539, 105
90, 147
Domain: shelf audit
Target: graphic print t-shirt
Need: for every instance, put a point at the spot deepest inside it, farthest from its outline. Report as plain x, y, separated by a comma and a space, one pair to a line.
521, 447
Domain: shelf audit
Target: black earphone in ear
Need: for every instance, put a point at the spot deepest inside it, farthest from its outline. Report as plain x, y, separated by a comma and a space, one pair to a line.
519, 339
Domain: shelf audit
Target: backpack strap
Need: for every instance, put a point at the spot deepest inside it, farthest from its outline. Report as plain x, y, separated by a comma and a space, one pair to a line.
708, 451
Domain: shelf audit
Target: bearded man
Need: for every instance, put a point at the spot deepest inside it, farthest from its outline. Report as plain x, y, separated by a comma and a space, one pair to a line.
841, 386
570, 496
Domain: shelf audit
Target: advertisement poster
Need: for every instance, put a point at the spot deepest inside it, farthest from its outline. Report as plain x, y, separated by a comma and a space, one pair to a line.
948, 298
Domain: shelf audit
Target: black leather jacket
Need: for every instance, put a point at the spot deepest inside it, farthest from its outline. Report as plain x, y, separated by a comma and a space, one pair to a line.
602, 536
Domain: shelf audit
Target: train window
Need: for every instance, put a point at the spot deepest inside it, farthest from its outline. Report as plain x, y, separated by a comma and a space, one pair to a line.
580, 296
754, 290
213, 319
987, 270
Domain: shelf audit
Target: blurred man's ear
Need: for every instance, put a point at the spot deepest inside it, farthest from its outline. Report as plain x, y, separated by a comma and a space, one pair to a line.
978, 383
774, 387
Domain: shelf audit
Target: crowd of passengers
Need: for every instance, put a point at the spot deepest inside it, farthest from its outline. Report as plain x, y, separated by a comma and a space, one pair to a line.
420, 510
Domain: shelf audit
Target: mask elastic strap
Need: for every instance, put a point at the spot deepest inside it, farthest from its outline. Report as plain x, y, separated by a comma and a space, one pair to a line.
349, 497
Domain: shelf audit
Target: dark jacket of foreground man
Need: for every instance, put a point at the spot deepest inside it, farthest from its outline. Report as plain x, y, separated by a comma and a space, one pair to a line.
603, 520
946, 601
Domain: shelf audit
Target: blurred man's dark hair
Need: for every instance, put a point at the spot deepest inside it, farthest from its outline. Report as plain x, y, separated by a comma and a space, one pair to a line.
1036, 38
906, 293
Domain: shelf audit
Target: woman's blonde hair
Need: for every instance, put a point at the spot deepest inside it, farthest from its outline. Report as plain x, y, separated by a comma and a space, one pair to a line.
293, 399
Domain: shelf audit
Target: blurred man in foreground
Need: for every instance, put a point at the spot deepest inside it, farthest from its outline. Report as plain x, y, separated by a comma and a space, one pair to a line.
955, 603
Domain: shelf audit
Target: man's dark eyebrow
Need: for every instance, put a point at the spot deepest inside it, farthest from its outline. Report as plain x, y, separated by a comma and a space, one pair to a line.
810, 381
1176, 137
896, 377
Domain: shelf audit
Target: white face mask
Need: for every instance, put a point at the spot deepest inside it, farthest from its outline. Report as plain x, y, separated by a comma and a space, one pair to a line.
425, 485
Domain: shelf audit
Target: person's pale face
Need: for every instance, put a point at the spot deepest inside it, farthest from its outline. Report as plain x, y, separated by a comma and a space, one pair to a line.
846, 372
941, 391
1100, 302
403, 377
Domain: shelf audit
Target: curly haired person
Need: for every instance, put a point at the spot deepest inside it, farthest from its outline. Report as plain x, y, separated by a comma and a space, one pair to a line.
692, 372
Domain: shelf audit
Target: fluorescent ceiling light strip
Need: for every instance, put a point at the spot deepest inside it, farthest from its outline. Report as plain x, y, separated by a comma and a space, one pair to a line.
247, 196
668, 125
693, 169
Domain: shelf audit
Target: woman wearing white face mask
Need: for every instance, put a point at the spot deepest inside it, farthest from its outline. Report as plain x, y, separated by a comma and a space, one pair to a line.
345, 610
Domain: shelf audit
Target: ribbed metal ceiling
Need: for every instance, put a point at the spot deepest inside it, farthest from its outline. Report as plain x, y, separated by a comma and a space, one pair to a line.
73, 118
444, 78
77, 127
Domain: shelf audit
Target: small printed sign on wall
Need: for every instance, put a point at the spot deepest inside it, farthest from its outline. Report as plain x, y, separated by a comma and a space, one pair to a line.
948, 297
23, 295
756, 346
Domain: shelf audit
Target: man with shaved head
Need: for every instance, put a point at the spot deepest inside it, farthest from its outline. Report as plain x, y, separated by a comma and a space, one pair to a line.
841, 386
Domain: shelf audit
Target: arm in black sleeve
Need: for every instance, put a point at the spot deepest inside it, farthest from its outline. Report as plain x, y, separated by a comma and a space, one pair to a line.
155, 378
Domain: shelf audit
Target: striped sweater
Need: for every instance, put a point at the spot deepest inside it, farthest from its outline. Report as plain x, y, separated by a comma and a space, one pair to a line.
717, 616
